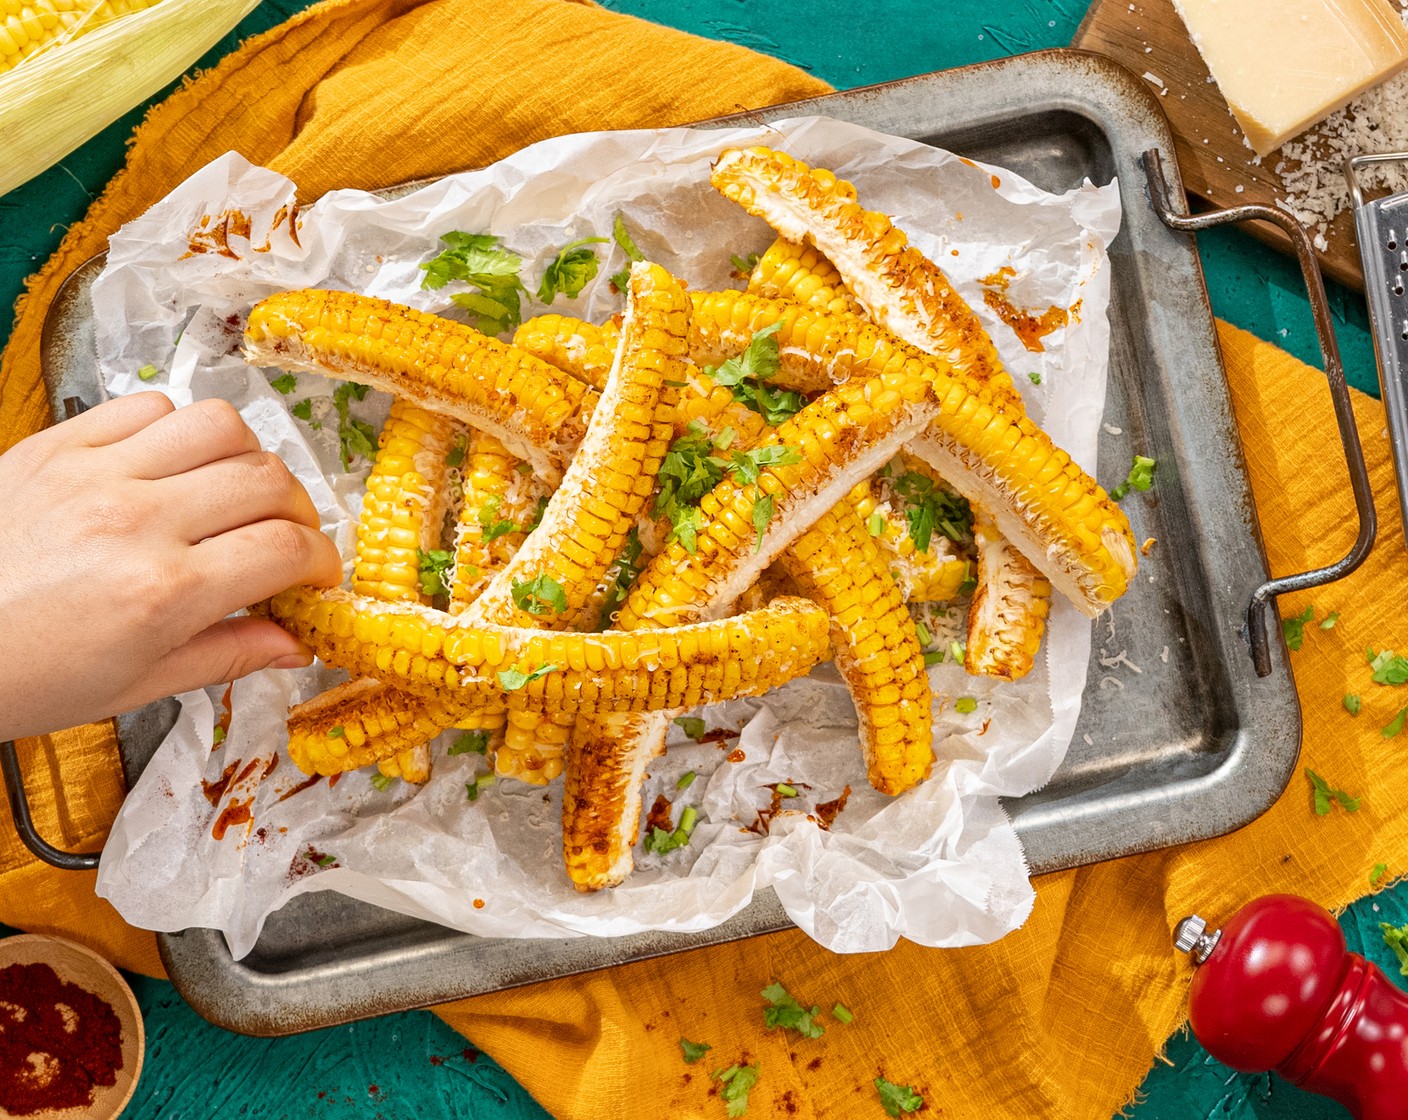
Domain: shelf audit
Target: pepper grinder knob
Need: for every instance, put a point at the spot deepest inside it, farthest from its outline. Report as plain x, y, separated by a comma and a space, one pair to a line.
1277, 988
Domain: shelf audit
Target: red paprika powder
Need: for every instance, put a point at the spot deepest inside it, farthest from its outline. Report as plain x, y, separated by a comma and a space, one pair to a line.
58, 1042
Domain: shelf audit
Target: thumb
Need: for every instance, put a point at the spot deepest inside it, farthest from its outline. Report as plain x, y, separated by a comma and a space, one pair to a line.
226, 651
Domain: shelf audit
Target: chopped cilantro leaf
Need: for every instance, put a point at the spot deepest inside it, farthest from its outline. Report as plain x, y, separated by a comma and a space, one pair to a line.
662, 842
537, 518
787, 1013
1140, 477
479, 785
1395, 725
693, 1051
514, 678
743, 265
303, 410
539, 595
382, 781
456, 456
491, 525
692, 726
1330, 620
763, 509
622, 574
1380, 869
1388, 667
1396, 938
688, 472
285, 383
322, 861
929, 507
1325, 796
147, 372
686, 780
895, 1099
736, 1081
1294, 628
470, 742
571, 270
1034, 378
434, 567
842, 1014
477, 260
748, 373
355, 437
965, 705
219, 736
622, 237
1351, 703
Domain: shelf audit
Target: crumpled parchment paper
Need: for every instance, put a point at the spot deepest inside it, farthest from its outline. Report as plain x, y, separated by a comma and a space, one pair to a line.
939, 865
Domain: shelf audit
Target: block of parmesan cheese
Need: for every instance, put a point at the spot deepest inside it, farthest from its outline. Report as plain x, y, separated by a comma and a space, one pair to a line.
1283, 65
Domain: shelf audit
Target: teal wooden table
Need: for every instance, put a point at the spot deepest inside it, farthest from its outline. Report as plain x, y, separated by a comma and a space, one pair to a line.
412, 1065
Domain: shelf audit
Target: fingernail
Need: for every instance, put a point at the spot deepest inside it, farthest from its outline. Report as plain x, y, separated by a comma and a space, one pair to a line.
292, 661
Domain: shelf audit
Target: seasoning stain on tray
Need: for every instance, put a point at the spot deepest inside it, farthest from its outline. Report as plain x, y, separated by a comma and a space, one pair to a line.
237, 812
1029, 327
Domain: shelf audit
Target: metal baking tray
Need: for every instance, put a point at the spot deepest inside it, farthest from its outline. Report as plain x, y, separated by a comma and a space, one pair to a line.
1195, 744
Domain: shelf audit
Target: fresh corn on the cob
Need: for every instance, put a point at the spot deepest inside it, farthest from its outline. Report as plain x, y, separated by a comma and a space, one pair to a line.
798, 271
1008, 613
404, 510
476, 667
447, 367
898, 286
30, 27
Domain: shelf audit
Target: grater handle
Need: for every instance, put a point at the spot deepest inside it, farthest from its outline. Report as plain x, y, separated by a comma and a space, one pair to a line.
1259, 615
13, 781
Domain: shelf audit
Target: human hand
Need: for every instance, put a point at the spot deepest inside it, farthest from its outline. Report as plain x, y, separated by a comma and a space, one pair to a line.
130, 533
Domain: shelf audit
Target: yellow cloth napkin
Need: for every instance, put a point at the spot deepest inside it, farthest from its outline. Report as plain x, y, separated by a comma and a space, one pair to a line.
1062, 1018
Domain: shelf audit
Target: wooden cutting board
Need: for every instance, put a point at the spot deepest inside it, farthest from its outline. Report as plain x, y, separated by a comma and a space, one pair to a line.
1148, 38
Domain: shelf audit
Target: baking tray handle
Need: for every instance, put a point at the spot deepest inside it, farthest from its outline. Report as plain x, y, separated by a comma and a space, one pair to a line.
24, 823
1259, 614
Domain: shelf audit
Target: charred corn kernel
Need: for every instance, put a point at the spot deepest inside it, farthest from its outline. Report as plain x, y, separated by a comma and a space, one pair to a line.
582, 349
495, 491
411, 764
898, 286
798, 271
533, 747
357, 724
1008, 613
589, 516
447, 367
404, 509
503, 675
932, 576
837, 564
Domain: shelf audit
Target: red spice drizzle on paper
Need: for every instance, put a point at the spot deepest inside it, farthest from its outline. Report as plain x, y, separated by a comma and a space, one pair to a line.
1029, 327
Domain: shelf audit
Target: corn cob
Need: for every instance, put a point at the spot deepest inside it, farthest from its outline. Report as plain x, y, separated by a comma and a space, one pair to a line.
798, 271
582, 349
932, 576
411, 765
30, 27
533, 746
837, 565
358, 723
447, 367
898, 286
404, 510
471, 668
1008, 613
608, 485
495, 491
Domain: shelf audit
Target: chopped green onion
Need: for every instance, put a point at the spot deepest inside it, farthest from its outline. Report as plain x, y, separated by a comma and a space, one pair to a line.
965, 704
147, 372
842, 1014
336, 732
785, 790
471, 742
382, 781
686, 780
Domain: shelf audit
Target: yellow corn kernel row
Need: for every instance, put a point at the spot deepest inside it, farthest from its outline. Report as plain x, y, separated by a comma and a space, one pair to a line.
798, 271
404, 508
533, 747
411, 765
582, 349
608, 485
445, 366
30, 27
357, 724
932, 576
875, 646
1008, 614
470, 668
899, 287
495, 490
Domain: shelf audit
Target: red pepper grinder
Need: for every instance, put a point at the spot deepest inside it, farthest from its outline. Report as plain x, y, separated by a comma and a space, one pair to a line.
1278, 989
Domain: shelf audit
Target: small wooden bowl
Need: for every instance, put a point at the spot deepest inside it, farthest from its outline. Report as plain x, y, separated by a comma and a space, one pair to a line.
77, 965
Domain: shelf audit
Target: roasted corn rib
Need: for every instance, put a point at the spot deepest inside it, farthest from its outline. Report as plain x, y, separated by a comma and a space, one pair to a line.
934, 575
608, 485
447, 367
404, 509
359, 723
799, 271
477, 667
497, 495
898, 286
411, 765
583, 349
1008, 613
